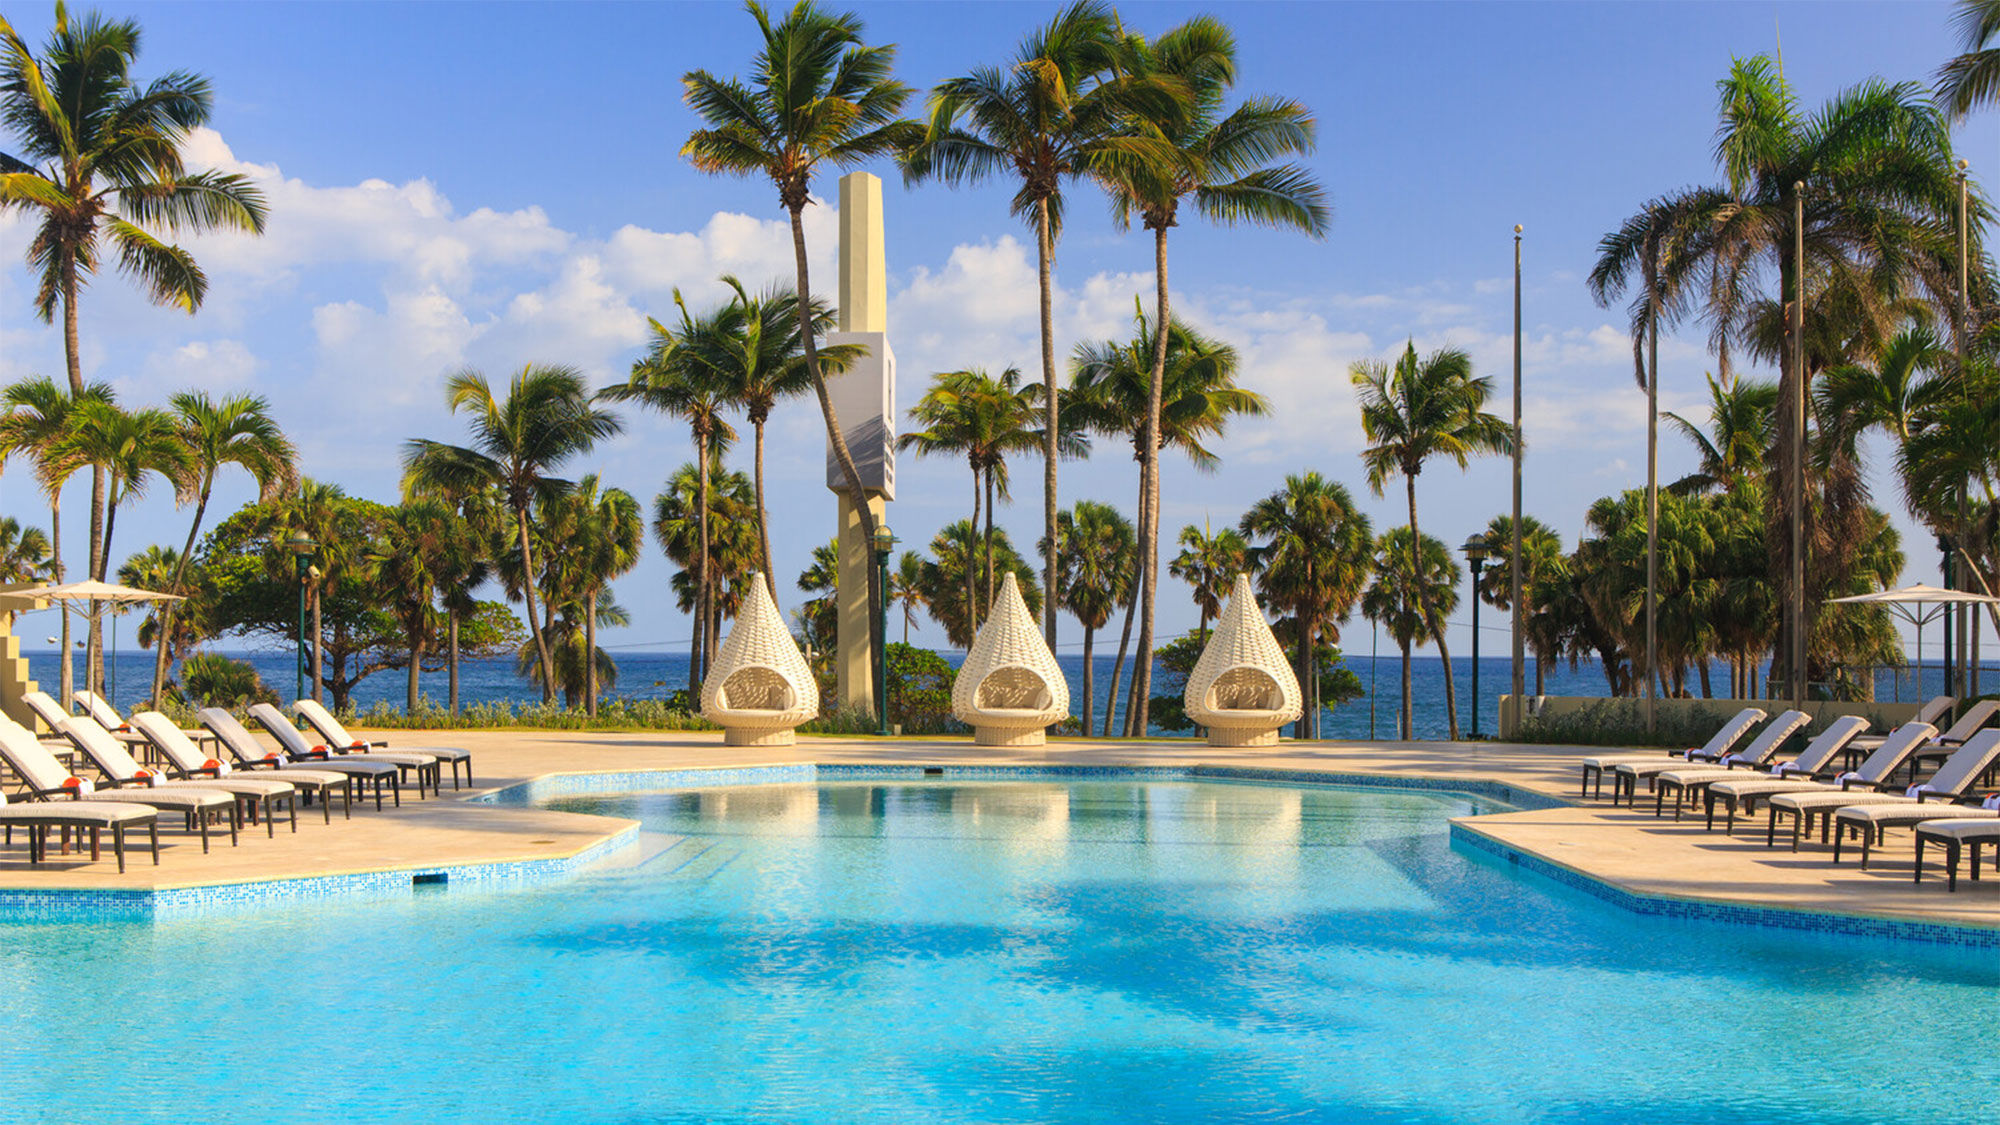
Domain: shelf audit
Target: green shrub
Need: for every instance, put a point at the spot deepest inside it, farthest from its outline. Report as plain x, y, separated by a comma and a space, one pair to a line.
209, 679
619, 713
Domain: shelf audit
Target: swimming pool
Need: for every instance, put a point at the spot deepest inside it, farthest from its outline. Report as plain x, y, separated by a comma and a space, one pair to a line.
997, 951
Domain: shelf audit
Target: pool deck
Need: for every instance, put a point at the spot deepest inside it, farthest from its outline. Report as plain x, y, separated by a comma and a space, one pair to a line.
1630, 851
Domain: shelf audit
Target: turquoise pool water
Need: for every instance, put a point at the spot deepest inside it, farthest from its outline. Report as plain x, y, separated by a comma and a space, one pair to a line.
1012, 951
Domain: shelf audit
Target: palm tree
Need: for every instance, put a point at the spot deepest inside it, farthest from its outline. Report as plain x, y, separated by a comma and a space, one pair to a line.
1732, 455
1111, 388
24, 554
679, 377
1041, 120
546, 419
413, 538
1891, 394
818, 94
609, 533
1411, 412
1972, 79
236, 431
37, 421
730, 544
906, 586
99, 163
956, 550
820, 617
1095, 557
461, 561
1543, 568
1187, 147
1314, 560
1209, 561
322, 513
1412, 587
982, 418
758, 358
171, 634
130, 447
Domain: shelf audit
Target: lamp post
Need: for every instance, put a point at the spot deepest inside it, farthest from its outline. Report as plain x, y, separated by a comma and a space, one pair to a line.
301, 546
885, 544
1476, 550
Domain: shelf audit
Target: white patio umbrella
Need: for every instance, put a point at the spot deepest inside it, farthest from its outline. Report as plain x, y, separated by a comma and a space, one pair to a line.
98, 593
1919, 605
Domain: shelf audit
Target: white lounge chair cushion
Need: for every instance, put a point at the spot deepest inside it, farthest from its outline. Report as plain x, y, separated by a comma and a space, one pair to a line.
1834, 799
1963, 829
1908, 812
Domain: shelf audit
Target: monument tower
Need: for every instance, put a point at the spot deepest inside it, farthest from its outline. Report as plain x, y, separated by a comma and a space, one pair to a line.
864, 398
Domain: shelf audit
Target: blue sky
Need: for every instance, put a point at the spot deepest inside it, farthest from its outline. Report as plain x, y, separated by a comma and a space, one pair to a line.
493, 184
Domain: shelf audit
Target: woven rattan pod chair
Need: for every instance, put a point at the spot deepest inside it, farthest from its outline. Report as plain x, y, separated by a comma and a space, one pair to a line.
1242, 689
1010, 688
760, 686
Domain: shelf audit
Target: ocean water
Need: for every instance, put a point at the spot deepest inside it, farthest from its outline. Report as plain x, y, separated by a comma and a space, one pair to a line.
1034, 950
659, 674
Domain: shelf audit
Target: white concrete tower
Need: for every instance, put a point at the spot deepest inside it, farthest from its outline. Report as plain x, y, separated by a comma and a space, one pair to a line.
864, 399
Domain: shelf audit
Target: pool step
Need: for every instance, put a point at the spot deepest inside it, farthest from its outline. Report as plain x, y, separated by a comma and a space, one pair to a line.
700, 860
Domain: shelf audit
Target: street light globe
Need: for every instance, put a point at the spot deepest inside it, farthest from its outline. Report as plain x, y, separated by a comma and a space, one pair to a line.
1476, 548
299, 543
885, 540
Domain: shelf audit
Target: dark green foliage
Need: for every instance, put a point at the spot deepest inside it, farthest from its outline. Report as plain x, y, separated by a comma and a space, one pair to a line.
212, 680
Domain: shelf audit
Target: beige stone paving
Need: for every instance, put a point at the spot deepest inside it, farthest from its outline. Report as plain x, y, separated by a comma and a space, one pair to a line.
1632, 850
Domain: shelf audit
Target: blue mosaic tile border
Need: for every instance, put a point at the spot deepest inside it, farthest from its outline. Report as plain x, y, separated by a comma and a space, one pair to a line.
1704, 910
83, 905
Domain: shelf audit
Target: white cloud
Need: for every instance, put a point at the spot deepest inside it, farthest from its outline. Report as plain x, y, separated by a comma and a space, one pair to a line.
209, 365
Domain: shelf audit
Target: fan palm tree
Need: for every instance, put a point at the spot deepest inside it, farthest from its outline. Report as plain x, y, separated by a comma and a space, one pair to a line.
235, 431
37, 420
729, 543
1972, 80
24, 554
1111, 391
1413, 585
322, 513
414, 537
546, 419
172, 634
99, 166
906, 586
1415, 410
461, 561
1313, 562
1095, 557
1041, 120
757, 356
680, 377
1188, 148
1543, 567
956, 549
818, 94
607, 532
1733, 451
983, 419
1209, 562
820, 616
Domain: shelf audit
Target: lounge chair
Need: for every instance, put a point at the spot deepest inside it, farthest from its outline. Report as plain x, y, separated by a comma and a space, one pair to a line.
1954, 836
185, 760
251, 755
1718, 744
1760, 751
337, 739
1691, 783
94, 816
1934, 710
1869, 784
48, 779
45, 708
1977, 714
1807, 775
94, 705
423, 767
259, 795
1933, 800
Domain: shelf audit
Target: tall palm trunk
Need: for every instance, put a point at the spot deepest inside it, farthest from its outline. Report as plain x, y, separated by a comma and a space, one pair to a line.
1118, 665
93, 657
856, 495
1431, 621
1308, 727
1045, 251
416, 667
972, 567
527, 592
1404, 718
1089, 710
590, 654
1149, 531
174, 586
763, 520
988, 547
1134, 608
704, 593
55, 547
319, 645
451, 656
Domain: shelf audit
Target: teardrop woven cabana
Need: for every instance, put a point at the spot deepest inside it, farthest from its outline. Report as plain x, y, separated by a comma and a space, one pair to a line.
1242, 689
1010, 688
760, 686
